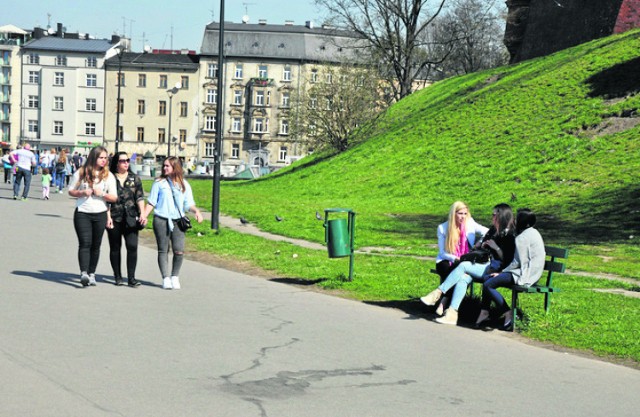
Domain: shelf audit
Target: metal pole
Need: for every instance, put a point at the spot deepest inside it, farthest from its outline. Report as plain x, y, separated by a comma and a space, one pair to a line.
118, 100
169, 138
215, 209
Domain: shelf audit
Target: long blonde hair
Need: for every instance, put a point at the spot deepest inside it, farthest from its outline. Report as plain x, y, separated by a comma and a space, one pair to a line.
453, 232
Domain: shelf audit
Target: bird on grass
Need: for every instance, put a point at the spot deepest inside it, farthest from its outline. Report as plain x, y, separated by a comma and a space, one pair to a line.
243, 220
513, 197
318, 216
278, 218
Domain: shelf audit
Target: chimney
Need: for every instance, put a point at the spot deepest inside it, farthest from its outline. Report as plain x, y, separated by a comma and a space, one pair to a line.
59, 33
288, 22
262, 21
309, 24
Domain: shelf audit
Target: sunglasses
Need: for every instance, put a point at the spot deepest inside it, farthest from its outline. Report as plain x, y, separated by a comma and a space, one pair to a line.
122, 161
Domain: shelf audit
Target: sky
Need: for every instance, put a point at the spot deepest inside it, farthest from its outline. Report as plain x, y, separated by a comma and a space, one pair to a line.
149, 22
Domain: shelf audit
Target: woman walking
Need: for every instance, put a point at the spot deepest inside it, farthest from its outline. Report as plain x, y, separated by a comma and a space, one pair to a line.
93, 186
170, 197
123, 218
61, 170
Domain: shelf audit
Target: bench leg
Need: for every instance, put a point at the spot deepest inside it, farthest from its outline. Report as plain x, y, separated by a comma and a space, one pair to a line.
514, 309
546, 302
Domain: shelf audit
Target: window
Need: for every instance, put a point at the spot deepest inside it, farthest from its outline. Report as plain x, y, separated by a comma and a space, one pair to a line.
58, 78
314, 75
162, 108
285, 99
237, 97
33, 59
90, 129
57, 128
312, 129
162, 83
235, 151
92, 62
209, 149
286, 74
282, 155
329, 77
34, 77
33, 102
183, 109
58, 103
162, 135
212, 94
90, 104
141, 107
140, 134
259, 125
120, 134
212, 71
259, 98
182, 136
120, 79
33, 126
262, 71
210, 123
268, 98
238, 72
121, 105
61, 61
236, 124
92, 80
142, 80
328, 103
184, 82
284, 127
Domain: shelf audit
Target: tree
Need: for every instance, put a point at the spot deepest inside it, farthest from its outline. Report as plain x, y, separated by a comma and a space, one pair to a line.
478, 30
339, 105
395, 31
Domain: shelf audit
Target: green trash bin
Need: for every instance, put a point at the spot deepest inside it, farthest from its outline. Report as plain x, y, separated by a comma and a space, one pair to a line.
338, 243
153, 172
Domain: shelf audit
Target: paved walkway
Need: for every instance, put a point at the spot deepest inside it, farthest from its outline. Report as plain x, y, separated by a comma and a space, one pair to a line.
230, 344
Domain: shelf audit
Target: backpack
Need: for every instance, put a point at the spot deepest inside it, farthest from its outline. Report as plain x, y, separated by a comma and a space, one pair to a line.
60, 167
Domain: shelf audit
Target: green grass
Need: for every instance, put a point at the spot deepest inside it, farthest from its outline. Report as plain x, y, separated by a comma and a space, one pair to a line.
526, 130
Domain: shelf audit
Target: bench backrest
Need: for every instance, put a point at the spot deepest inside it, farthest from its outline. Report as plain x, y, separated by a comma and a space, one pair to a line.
552, 265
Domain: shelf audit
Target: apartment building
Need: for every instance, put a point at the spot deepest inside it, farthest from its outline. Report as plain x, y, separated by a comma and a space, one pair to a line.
11, 39
264, 65
152, 99
63, 89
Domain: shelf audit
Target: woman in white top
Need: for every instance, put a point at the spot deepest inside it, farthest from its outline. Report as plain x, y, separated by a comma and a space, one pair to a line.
94, 186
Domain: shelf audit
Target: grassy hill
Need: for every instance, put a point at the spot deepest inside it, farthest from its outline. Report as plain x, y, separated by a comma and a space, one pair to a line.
556, 134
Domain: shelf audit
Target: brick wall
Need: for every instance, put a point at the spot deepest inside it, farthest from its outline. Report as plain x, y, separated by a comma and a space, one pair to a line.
628, 17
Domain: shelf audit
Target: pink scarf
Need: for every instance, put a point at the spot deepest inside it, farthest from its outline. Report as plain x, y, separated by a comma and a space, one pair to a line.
463, 245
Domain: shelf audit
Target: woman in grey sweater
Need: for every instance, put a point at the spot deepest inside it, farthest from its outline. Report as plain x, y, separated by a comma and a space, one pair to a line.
525, 269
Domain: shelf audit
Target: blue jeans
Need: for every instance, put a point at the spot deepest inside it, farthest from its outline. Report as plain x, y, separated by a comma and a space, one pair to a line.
59, 180
20, 174
489, 292
460, 278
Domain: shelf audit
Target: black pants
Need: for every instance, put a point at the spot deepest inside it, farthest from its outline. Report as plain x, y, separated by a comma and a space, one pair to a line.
7, 175
90, 229
115, 244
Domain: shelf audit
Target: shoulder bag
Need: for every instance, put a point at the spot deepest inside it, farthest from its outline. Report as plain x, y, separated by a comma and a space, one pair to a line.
184, 223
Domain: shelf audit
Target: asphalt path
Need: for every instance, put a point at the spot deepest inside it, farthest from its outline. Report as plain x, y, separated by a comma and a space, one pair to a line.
229, 344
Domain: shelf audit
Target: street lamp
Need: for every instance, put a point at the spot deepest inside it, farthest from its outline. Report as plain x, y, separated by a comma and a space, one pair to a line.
120, 49
215, 203
172, 92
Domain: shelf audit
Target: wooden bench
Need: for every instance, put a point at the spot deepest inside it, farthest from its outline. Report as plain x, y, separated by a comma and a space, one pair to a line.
543, 286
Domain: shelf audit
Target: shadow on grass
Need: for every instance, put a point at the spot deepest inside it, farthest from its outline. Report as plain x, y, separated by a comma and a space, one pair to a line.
617, 81
298, 281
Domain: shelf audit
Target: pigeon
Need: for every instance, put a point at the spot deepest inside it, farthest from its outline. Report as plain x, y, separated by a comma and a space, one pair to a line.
318, 216
278, 218
243, 220
513, 197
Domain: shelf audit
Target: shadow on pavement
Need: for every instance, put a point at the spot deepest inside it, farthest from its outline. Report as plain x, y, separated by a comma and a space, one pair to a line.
73, 279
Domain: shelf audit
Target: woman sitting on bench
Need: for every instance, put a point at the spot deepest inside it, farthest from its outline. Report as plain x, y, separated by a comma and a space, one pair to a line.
526, 268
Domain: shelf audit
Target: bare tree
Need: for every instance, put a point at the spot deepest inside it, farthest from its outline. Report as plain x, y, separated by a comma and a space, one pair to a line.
478, 29
339, 105
395, 31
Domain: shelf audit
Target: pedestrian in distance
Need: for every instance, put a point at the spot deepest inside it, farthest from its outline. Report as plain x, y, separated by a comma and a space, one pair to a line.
171, 197
8, 167
61, 171
455, 237
23, 160
124, 220
94, 186
46, 181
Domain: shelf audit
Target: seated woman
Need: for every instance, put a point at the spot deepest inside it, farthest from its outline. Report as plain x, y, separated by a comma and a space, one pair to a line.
499, 241
525, 269
455, 237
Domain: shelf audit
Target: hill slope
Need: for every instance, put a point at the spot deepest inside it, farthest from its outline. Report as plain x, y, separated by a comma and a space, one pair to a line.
557, 134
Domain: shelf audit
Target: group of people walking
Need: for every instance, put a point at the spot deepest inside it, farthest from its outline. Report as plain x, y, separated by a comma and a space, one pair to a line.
110, 197
514, 251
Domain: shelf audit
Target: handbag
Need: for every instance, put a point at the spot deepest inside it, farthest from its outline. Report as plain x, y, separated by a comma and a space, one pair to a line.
131, 217
479, 256
184, 223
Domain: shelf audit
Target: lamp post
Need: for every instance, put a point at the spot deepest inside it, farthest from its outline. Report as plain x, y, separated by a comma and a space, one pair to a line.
172, 92
215, 209
120, 49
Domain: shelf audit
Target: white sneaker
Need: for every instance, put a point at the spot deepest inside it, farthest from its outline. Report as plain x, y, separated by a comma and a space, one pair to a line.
175, 282
84, 279
166, 283
92, 279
